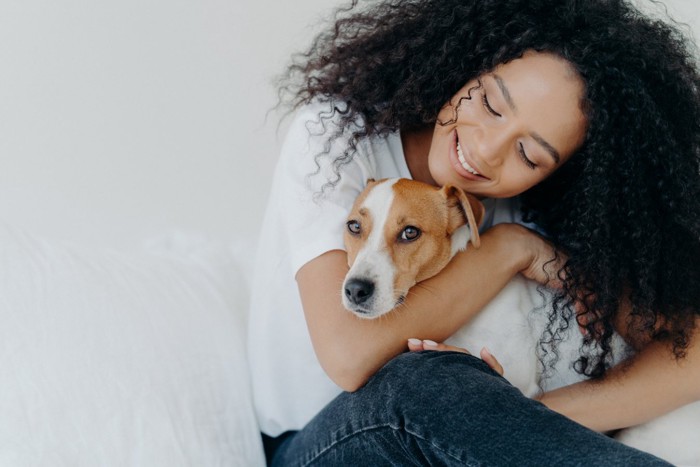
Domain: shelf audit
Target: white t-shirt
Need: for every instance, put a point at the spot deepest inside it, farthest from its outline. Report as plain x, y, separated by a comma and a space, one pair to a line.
289, 385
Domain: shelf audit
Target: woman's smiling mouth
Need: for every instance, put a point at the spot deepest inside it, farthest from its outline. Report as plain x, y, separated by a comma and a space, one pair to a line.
464, 162
461, 165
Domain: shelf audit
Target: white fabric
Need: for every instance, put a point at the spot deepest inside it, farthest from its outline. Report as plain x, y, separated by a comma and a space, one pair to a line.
673, 436
116, 359
290, 386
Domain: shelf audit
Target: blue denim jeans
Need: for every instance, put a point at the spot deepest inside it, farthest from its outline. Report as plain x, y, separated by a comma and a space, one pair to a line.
447, 408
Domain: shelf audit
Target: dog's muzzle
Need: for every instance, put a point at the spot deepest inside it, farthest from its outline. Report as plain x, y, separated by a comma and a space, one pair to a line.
368, 289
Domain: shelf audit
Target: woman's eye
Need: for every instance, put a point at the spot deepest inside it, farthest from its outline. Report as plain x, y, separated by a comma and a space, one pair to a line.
410, 233
354, 227
523, 156
487, 106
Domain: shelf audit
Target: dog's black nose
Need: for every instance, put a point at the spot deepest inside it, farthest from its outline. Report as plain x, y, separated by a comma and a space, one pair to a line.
359, 290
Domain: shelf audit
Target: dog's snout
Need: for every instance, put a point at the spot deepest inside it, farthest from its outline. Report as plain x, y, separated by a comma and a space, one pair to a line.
359, 290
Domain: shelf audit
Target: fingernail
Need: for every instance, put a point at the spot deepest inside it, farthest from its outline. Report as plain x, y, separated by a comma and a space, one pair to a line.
429, 343
414, 341
485, 349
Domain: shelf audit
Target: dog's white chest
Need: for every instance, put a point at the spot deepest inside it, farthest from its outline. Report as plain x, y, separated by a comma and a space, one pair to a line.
510, 332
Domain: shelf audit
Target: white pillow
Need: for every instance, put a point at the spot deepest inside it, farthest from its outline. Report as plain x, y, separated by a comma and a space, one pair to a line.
117, 359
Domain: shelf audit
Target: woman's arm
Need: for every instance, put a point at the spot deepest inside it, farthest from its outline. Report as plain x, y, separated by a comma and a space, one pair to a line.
648, 385
351, 349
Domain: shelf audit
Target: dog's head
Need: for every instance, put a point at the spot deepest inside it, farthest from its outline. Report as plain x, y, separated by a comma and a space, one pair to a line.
400, 232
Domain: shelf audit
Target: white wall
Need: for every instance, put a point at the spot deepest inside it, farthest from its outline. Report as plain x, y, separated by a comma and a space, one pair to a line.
120, 120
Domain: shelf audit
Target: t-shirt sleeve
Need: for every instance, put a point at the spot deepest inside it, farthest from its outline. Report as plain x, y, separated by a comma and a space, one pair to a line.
314, 212
505, 210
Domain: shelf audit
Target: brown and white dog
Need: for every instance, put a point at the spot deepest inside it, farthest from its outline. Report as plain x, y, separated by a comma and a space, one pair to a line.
401, 232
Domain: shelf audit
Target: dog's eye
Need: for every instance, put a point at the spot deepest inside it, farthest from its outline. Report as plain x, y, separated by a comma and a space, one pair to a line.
410, 233
354, 227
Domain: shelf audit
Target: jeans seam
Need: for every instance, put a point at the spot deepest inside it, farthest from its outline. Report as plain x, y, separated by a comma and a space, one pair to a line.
376, 427
442, 450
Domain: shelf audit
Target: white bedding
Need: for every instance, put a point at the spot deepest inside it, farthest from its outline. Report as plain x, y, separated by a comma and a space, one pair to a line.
117, 359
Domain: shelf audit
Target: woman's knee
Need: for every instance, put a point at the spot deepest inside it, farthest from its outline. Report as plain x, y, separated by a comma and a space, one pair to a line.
436, 381
436, 395
424, 366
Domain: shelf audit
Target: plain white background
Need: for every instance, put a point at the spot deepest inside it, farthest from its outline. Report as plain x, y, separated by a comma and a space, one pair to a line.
120, 121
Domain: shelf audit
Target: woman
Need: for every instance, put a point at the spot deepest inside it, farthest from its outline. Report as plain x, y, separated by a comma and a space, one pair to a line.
587, 110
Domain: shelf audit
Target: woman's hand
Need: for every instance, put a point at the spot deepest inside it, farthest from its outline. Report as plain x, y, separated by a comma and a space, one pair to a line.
542, 262
415, 345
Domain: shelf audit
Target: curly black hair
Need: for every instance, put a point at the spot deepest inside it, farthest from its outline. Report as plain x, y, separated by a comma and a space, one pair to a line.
624, 208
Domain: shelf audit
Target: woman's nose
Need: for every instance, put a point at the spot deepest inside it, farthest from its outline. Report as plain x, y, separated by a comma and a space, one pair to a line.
492, 145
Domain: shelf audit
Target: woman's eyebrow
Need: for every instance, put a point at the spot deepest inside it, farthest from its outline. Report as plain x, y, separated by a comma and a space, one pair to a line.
547, 147
504, 90
509, 100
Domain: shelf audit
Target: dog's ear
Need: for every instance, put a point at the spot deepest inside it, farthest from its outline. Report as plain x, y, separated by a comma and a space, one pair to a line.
463, 208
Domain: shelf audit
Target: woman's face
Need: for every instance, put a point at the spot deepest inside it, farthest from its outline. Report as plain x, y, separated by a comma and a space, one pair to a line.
510, 129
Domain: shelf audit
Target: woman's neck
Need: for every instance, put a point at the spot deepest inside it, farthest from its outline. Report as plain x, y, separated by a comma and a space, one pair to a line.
416, 146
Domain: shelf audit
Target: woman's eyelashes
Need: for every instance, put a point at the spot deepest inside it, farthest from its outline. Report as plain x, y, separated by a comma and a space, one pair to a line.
525, 159
487, 105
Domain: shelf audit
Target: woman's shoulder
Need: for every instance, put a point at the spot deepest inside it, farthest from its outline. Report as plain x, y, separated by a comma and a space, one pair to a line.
324, 117
325, 139
319, 130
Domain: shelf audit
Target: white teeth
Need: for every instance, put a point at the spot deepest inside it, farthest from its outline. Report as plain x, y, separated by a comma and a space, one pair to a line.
463, 161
